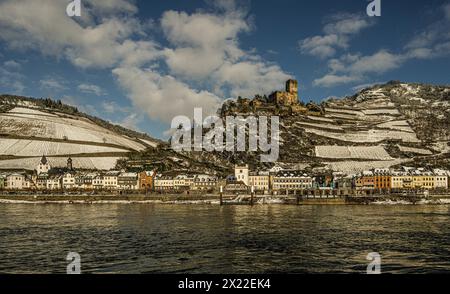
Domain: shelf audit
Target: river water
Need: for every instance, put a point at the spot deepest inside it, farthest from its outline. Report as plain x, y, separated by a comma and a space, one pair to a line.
156, 238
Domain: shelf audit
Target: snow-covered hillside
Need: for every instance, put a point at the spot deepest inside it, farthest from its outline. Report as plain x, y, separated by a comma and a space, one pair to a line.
28, 131
381, 126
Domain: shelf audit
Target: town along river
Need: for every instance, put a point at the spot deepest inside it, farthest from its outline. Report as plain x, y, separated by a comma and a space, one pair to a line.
157, 238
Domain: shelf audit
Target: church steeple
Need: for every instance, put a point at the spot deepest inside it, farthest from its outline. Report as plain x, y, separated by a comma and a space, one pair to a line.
44, 160
69, 164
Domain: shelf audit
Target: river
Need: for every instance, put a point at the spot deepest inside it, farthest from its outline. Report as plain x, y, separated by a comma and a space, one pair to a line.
158, 238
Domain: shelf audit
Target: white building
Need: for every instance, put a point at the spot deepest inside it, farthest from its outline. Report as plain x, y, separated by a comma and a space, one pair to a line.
128, 181
292, 180
110, 180
183, 182
68, 181
43, 166
440, 179
54, 183
241, 174
204, 182
17, 182
97, 182
164, 183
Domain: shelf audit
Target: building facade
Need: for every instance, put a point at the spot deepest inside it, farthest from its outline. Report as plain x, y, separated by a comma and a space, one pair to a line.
241, 173
292, 180
128, 181
146, 180
288, 97
43, 166
260, 181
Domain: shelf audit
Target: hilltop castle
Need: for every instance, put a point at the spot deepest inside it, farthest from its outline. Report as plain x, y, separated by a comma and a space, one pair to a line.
288, 97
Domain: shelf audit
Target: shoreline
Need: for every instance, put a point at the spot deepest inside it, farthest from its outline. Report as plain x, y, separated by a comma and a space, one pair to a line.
215, 200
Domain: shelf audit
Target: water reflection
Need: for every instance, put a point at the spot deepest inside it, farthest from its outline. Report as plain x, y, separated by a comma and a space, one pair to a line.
147, 238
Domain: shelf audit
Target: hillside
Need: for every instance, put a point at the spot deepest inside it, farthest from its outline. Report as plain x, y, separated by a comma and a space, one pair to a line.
379, 127
382, 126
30, 128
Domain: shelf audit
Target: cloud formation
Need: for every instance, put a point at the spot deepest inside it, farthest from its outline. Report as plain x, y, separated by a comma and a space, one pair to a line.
432, 42
91, 89
338, 31
201, 64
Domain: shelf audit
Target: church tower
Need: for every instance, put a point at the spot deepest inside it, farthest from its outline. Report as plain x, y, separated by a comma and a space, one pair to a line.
69, 164
43, 166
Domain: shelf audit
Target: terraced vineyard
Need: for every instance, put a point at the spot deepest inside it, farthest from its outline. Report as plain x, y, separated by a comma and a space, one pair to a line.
28, 132
381, 126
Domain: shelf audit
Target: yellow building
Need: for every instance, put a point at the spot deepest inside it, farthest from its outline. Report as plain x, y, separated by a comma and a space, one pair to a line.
260, 181
401, 180
423, 180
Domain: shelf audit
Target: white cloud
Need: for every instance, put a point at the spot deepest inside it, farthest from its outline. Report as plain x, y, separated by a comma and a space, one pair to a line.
202, 54
52, 84
149, 91
10, 77
29, 24
13, 65
338, 32
353, 68
91, 89
201, 42
432, 42
131, 121
331, 80
247, 78
11, 81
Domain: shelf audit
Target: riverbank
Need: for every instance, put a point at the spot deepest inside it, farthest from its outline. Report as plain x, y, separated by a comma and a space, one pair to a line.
226, 199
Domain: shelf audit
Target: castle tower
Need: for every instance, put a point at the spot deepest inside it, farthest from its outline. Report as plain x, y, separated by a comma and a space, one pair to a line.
292, 87
43, 166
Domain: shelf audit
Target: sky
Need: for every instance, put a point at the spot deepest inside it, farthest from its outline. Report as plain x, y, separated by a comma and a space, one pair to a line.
141, 63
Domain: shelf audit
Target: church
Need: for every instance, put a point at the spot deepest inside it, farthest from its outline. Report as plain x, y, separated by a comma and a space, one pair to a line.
43, 166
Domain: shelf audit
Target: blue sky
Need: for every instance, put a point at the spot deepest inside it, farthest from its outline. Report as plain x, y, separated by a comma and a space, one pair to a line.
140, 63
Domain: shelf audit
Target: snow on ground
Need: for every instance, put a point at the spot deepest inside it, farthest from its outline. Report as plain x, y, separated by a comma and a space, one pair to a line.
19, 147
381, 111
150, 143
355, 152
100, 163
345, 111
353, 167
341, 116
29, 111
38, 123
317, 118
371, 136
415, 150
321, 125
400, 125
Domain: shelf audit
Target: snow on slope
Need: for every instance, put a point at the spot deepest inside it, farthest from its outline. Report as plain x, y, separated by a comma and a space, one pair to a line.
353, 167
19, 147
40, 124
20, 125
356, 152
